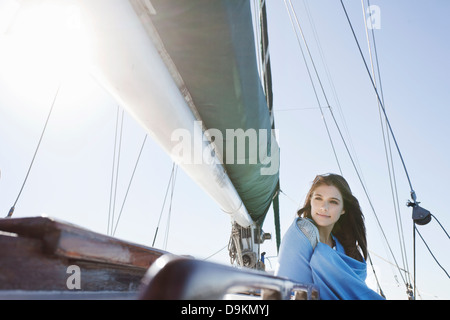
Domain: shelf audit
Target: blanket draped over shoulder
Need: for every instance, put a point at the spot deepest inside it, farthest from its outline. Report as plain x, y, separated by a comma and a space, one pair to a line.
336, 275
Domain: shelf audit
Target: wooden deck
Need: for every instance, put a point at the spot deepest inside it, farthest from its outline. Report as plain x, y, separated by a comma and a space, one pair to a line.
43, 254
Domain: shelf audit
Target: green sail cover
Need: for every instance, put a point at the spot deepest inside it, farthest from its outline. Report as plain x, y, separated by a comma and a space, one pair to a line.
211, 42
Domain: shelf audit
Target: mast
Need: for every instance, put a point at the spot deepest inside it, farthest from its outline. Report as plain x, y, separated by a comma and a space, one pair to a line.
267, 76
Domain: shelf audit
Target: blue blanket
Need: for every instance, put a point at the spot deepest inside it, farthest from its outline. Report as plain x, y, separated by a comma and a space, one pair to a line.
336, 275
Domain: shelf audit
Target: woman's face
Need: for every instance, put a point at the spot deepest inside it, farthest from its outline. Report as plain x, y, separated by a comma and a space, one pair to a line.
327, 206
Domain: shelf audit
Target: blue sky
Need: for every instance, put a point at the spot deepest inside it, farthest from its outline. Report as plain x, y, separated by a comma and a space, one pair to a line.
71, 176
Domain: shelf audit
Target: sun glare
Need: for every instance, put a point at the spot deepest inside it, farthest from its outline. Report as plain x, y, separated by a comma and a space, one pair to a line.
44, 45
44, 42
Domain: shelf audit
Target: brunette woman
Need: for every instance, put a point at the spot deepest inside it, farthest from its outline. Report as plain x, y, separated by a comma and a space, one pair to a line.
326, 244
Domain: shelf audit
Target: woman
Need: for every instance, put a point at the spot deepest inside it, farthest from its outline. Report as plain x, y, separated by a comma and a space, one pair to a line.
326, 245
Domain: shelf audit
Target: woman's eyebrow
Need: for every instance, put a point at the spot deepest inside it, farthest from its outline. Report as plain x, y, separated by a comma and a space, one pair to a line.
332, 198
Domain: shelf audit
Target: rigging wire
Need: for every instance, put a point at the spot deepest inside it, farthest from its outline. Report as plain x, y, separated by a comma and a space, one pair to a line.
129, 184
330, 80
11, 211
164, 203
117, 174
217, 252
387, 261
112, 173
429, 250
293, 201
301, 109
310, 76
413, 194
387, 147
169, 215
376, 277
440, 225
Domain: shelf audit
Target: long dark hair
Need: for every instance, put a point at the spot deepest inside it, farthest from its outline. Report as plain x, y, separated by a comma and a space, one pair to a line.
349, 229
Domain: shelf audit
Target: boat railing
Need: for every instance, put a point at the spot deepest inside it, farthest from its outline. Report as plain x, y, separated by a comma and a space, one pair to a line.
173, 277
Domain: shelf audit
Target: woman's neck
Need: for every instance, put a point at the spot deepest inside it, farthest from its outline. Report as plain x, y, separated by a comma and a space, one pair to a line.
325, 236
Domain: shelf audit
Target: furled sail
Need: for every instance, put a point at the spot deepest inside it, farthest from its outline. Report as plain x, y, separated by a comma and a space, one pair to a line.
212, 45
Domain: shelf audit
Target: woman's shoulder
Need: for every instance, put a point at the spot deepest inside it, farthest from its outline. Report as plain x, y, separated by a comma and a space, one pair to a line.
308, 228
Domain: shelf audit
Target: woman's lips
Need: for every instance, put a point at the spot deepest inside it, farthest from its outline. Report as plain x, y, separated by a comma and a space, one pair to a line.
322, 215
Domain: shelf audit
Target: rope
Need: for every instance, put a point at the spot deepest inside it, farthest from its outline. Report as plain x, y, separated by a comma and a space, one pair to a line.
11, 211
